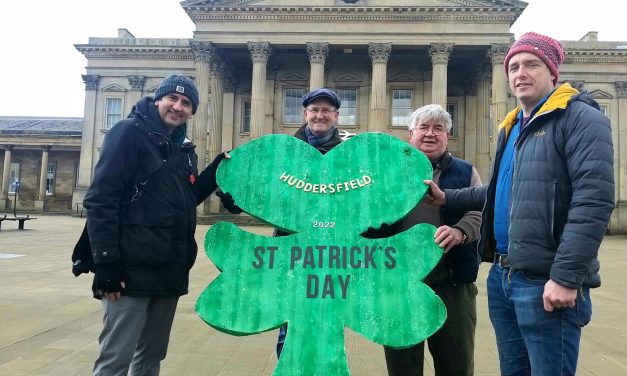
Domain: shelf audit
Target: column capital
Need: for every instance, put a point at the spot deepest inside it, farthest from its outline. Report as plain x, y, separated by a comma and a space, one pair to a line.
91, 81
218, 67
497, 53
203, 51
621, 89
8, 147
136, 82
259, 51
229, 84
484, 73
318, 52
273, 66
45, 148
470, 87
379, 52
440, 52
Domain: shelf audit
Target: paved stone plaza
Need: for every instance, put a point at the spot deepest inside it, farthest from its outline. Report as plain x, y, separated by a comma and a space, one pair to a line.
49, 323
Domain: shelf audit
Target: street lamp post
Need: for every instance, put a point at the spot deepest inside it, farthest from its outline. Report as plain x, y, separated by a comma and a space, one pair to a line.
17, 188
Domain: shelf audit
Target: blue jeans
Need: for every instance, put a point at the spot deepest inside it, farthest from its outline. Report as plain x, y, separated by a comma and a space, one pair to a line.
530, 340
281, 340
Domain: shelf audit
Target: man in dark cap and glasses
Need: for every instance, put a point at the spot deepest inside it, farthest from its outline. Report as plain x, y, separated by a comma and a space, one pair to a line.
321, 113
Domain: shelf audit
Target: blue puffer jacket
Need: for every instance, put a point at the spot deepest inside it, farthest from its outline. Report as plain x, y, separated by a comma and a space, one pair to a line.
562, 191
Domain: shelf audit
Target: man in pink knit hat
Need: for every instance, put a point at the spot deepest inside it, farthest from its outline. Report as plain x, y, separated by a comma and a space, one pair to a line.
545, 211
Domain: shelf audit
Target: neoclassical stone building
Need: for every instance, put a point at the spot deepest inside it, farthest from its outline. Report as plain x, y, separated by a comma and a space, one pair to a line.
39, 160
253, 60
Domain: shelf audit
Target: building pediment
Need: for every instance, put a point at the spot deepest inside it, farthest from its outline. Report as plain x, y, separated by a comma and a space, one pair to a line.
293, 77
208, 15
403, 77
600, 94
348, 78
114, 88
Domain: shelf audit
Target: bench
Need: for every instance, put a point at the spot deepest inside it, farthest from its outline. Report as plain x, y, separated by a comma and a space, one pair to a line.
20, 220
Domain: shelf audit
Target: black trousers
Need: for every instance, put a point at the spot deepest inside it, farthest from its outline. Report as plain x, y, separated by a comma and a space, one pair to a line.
452, 347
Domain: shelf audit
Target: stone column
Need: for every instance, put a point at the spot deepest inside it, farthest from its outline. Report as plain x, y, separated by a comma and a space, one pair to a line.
379, 53
217, 110
217, 93
203, 53
318, 53
259, 53
618, 223
440, 53
87, 159
6, 172
482, 161
43, 174
499, 90
137, 87
228, 106
470, 120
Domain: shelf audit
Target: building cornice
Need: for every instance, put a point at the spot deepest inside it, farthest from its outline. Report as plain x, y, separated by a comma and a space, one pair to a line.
214, 3
354, 14
594, 57
185, 53
135, 52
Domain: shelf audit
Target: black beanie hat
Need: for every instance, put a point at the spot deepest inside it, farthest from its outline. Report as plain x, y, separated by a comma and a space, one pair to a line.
178, 84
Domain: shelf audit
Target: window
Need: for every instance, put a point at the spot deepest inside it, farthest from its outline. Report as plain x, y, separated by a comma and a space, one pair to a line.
245, 127
451, 108
292, 107
603, 108
401, 107
114, 112
348, 110
14, 176
50, 178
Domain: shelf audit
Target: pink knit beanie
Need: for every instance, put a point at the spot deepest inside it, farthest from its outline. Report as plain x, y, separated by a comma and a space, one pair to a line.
549, 50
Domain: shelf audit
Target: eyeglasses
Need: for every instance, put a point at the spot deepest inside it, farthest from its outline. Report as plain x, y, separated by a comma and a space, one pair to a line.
323, 111
437, 130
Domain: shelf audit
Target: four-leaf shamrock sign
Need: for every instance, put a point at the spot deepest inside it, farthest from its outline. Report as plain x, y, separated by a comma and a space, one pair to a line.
324, 276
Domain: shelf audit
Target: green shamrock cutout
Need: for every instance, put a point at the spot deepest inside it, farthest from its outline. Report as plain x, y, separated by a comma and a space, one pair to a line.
324, 276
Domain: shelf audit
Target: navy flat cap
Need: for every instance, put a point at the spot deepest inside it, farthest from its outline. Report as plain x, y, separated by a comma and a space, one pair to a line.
322, 93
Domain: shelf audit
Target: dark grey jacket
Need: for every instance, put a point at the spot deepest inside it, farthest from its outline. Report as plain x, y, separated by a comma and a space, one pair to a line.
562, 191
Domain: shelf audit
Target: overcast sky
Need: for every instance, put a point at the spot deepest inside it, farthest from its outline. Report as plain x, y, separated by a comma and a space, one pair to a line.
41, 70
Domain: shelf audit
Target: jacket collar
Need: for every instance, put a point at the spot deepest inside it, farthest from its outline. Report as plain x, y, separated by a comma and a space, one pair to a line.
559, 99
444, 162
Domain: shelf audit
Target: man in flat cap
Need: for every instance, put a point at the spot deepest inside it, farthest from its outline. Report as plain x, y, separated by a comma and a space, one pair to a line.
321, 112
141, 219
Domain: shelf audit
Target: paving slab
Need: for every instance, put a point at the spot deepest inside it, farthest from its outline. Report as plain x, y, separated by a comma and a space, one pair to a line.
49, 323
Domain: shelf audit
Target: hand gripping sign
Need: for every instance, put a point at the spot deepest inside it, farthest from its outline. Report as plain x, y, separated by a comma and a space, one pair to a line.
324, 276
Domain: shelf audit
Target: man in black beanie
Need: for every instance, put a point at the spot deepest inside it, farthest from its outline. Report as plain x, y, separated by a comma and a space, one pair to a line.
141, 218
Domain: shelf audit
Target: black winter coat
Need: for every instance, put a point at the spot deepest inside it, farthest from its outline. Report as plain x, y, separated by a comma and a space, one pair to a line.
562, 191
141, 205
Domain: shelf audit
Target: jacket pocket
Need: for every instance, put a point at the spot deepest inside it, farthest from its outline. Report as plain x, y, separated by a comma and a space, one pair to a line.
146, 239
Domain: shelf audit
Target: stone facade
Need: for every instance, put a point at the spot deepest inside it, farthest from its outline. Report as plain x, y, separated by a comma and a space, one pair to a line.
251, 61
30, 146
